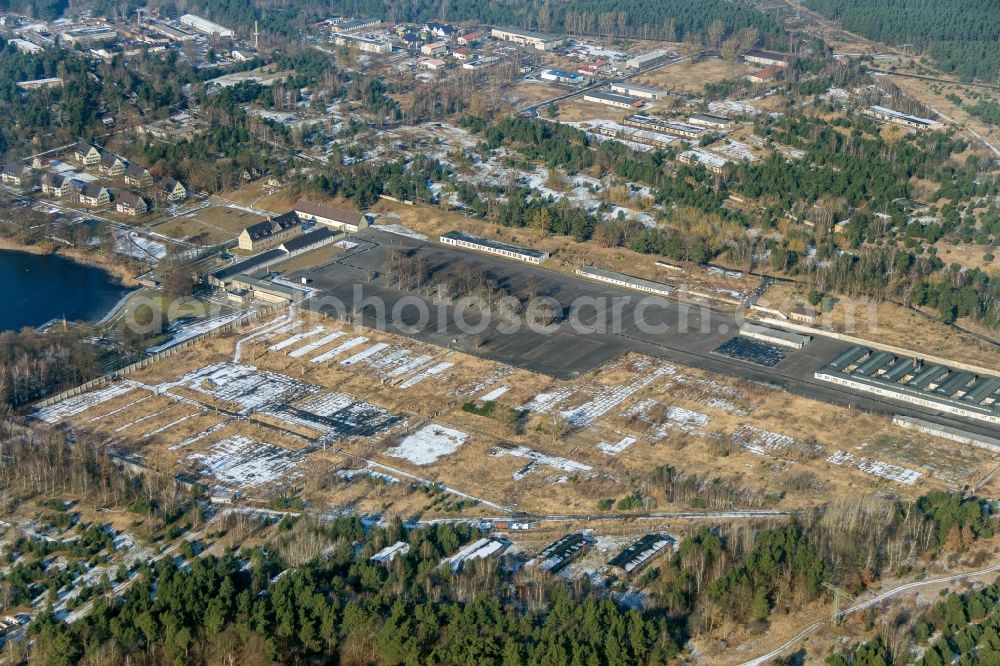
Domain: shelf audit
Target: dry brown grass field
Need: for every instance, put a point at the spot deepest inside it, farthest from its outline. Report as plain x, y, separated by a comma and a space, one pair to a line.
759, 440
523, 93
685, 77
214, 224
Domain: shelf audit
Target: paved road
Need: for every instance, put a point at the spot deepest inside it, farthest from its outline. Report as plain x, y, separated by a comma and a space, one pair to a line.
874, 601
971, 131
712, 516
532, 110
885, 72
654, 515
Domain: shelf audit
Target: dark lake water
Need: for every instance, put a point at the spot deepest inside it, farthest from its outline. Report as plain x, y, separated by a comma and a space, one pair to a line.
35, 289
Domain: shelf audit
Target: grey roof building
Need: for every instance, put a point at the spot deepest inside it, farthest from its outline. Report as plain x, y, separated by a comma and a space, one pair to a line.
939, 387
494, 247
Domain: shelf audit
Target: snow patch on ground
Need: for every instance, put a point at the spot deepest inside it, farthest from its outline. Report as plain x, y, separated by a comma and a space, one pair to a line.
765, 443
351, 474
244, 385
645, 219
609, 397
284, 328
429, 372
837, 95
543, 403
877, 468
482, 383
537, 459
603, 399
283, 117
731, 107
316, 344
494, 394
400, 230
429, 444
372, 351
682, 416
288, 342
242, 462
888, 471
736, 150
188, 331
712, 394
615, 449
340, 349
408, 365
664, 419
81, 403
133, 245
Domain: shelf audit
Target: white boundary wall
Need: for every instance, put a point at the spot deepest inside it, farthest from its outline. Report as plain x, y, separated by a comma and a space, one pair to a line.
510, 254
628, 282
944, 432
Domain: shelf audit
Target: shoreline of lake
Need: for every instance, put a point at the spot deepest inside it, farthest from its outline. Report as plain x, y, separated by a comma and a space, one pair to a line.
45, 286
82, 257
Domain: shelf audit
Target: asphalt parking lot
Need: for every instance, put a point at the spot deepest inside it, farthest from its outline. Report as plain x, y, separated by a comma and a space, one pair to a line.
597, 322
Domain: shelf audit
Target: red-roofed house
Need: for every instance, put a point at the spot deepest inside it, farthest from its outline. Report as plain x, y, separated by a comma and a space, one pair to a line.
765, 75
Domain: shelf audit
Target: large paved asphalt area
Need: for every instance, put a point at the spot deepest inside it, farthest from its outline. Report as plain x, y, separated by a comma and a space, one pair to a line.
692, 331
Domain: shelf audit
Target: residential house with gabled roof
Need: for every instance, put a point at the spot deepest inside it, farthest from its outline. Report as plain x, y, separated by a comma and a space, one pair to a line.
131, 203
138, 176
174, 190
94, 194
111, 164
16, 174
56, 185
86, 154
765, 75
270, 232
441, 30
